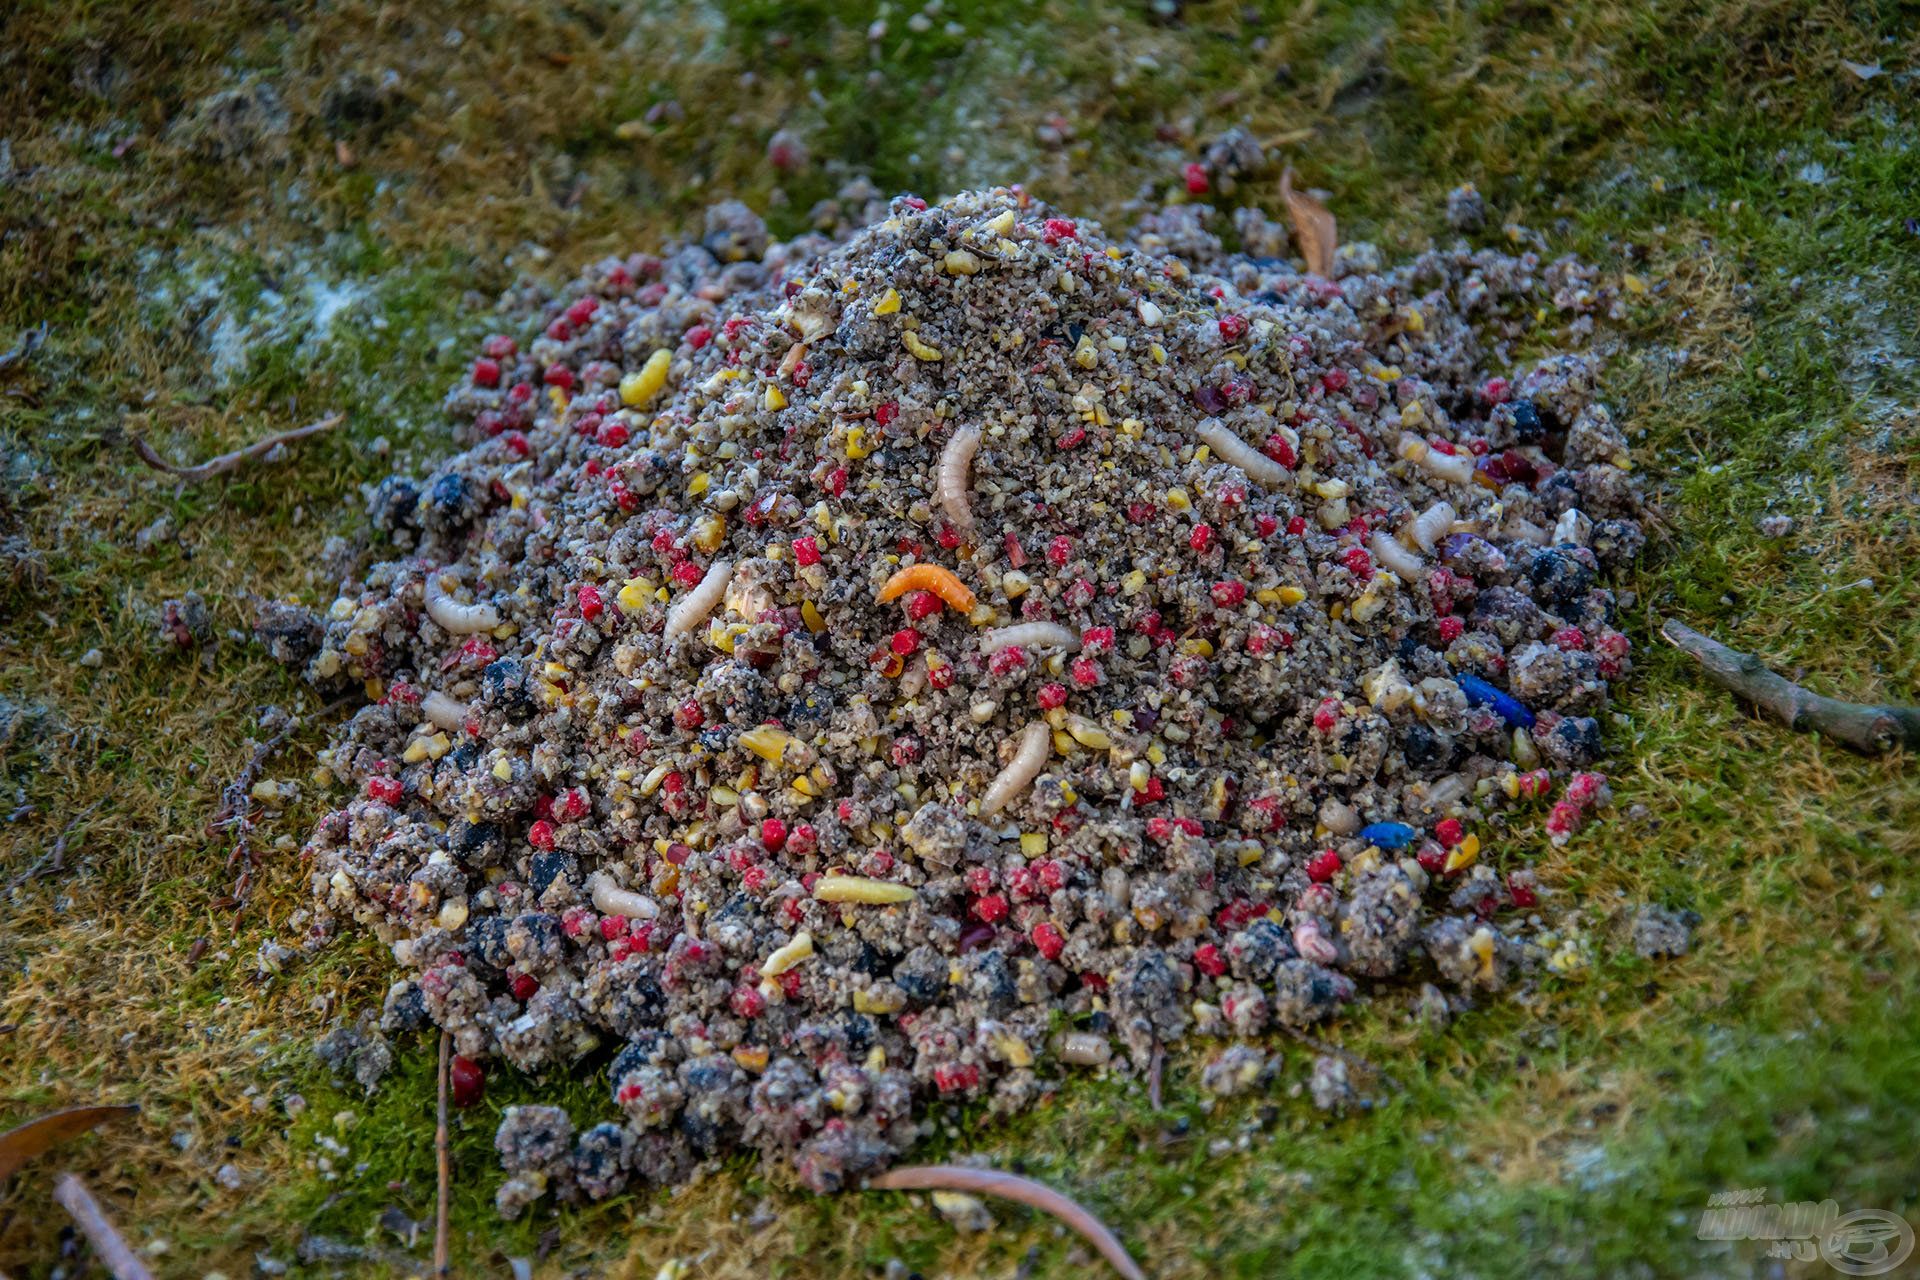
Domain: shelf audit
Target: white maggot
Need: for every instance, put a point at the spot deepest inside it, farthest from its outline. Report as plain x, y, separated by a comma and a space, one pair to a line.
1036, 745
1456, 468
444, 711
1396, 558
692, 609
609, 899
1233, 449
1029, 635
956, 465
1433, 524
455, 618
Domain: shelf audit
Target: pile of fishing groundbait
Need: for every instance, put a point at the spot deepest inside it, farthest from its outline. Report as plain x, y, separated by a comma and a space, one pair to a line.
925, 661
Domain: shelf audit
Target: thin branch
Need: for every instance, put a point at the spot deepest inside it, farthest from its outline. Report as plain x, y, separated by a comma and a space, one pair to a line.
1156, 1073
443, 1151
953, 1177
1870, 730
73, 1196
54, 861
228, 461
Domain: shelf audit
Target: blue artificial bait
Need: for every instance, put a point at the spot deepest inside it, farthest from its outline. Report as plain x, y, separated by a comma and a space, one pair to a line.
1482, 694
1388, 835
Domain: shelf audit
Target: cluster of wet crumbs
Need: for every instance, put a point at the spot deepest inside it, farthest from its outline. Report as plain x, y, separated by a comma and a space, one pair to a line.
926, 660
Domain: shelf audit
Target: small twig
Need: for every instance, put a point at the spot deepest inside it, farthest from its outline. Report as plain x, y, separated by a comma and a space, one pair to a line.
954, 1177
236, 805
1870, 730
73, 1196
54, 860
1347, 1056
1156, 1073
228, 461
443, 1151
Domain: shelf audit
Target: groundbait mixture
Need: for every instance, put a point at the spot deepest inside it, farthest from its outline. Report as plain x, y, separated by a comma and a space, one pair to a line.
919, 661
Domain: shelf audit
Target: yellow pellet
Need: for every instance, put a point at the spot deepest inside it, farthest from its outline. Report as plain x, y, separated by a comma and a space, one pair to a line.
888, 303
776, 399
637, 389
811, 616
633, 597
1464, 854
915, 344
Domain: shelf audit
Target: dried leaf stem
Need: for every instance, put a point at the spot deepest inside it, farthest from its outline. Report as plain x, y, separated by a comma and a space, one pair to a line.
1313, 227
443, 1153
953, 1177
1870, 730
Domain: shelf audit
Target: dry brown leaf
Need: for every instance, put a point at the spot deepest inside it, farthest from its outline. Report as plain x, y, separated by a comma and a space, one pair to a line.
953, 1177
1313, 227
17, 1146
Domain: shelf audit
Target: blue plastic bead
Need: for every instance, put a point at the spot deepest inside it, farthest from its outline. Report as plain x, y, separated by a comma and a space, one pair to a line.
1388, 835
1482, 694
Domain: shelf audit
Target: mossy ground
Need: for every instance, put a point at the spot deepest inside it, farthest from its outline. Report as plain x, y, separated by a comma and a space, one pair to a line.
1720, 153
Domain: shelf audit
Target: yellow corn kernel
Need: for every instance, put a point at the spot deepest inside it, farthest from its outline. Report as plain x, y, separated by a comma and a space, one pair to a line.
1464, 854
1000, 224
1156, 754
868, 1000
751, 1057
1084, 353
788, 956
811, 616
637, 389
1177, 500
767, 742
961, 263
1330, 489
856, 446
919, 347
1158, 352
709, 532
634, 596
1033, 844
1088, 734
1014, 1050
776, 399
888, 303
697, 486
1198, 645
503, 769
1480, 945
861, 889
1250, 855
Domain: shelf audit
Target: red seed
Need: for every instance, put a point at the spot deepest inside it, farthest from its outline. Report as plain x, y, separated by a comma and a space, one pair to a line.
1048, 940
1007, 661
1297, 525
540, 834
582, 311
1323, 866
748, 1002
1334, 380
1054, 230
806, 551
1358, 562
1195, 176
773, 834
1327, 715
558, 375
1521, 892
1085, 672
1051, 696
688, 574
386, 790
991, 908
1228, 594
486, 373
803, 839
922, 605
884, 414
1570, 638
1201, 538
1449, 832
591, 604
468, 1080
688, 715
1208, 960
1233, 327
699, 336
1059, 551
1451, 629
612, 435
904, 641
499, 346
612, 927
